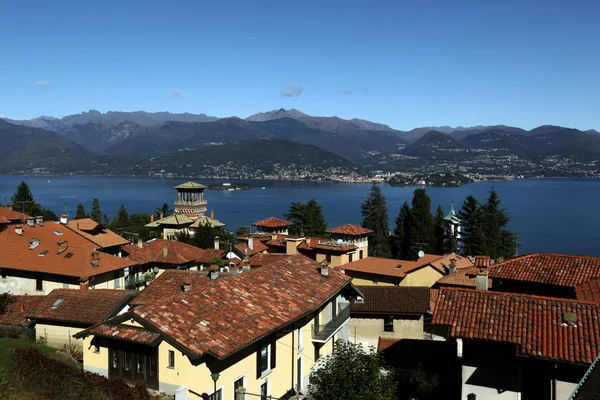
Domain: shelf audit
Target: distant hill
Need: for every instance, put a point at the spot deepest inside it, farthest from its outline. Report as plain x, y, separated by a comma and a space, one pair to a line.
28, 149
434, 144
264, 157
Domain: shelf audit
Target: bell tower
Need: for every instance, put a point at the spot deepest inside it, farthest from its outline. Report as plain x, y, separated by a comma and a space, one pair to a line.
190, 200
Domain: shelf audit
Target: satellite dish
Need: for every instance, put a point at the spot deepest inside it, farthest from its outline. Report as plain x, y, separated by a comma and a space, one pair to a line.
421, 253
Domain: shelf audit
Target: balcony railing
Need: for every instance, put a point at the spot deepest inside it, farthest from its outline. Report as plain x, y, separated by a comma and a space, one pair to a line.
322, 333
190, 202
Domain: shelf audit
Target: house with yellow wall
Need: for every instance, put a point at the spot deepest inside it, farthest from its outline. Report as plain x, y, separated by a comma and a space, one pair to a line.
425, 271
193, 334
65, 312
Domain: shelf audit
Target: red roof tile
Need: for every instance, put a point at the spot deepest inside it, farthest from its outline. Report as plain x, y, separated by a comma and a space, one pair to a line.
388, 266
164, 251
464, 277
550, 269
96, 233
85, 307
482, 261
349, 229
589, 291
533, 323
384, 343
258, 247
75, 261
259, 260
208, 255
255, 303
272, 222
10, 215
16, 312
392, 300
433, 298
126, 333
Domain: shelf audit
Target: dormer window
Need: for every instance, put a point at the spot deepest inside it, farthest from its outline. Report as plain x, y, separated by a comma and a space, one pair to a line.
57, 303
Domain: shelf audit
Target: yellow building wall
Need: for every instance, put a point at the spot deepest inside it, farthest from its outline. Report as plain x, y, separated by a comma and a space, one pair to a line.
57, 336
426, 276
92, 361
366, 279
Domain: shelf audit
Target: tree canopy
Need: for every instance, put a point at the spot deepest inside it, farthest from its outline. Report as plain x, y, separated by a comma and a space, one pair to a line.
306, 217
375, 217
80, 213
351, 373
401, 239
24, 202
421, 229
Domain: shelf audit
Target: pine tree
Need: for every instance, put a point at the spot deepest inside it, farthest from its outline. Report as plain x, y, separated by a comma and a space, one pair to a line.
23, 200
375, 217
122, 219
471, 236
307, 218
421, 232
438, 223
80, 212
497, 241
96, 212
401, 242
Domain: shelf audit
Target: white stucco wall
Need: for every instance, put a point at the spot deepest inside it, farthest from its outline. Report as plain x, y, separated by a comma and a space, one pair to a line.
367, 331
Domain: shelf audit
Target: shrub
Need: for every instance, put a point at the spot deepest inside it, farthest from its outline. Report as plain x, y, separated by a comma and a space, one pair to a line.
53, 379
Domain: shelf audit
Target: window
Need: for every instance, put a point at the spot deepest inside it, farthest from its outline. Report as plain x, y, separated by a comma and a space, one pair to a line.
328, 257
264, 391
239, 384
388, 324
117, 281
264, 359
139, 367
375, 279
127, 361
97, 350
350, 256
39, 284
171, 359
218, 395
153, 365
300, 346
360, 255
115, 360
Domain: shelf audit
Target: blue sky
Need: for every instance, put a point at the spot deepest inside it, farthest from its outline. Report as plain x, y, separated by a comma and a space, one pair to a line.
407, 64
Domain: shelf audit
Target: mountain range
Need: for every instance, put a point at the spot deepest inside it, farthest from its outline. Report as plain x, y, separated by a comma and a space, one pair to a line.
123, 141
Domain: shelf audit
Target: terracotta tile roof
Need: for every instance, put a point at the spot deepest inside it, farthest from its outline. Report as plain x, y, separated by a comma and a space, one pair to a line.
163, 251
170, 283
16, 312
259, 260
279, 242
384, 343
533, 323
550, 269
388, 266
433, 298
349, 229
589, 291
96, 233
243, 249
190, 185
208, 254
444, 262
392, 300
75, 261
255, 303
178, 220
86, 307
324, 244
10, 215
482, 261
464, 277
126, 333
272, 222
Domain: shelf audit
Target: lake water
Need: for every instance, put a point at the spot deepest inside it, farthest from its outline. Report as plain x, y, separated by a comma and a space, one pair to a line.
549, 215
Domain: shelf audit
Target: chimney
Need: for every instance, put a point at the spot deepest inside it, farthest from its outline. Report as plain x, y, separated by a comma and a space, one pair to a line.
214, 272
161, 215
452, 268
186, 286
569, 318
95, 259
292, 243
246, 265
63, 219
324, 269
482, 262
481, 281
31, 222
140, 243
33, 243
165, 250
84, 284
151, 217
39, 220
212, 214
251, 243
22, 307
62, 246
19, 230
9, 206
216, 243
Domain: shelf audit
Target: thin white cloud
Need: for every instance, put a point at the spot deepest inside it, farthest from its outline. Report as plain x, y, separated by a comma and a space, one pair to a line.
178, 93
43, 84
347, 92
293, 90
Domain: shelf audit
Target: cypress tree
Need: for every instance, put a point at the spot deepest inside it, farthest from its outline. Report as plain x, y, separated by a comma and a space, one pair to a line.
80, 212
421, 230
438, 223
401, 241
471, 222
375, 217
497, 241
96, 212
122, 219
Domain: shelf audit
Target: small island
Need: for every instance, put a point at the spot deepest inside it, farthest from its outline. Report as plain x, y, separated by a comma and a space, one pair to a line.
229, 186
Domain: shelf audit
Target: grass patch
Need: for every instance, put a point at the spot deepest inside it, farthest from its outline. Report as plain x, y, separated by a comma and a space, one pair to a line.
7, 347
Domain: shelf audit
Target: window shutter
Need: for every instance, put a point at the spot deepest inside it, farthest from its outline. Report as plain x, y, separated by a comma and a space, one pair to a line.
273, 351
258, 348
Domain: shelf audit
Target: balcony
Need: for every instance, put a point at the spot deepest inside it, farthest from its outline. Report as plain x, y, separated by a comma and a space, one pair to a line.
190, 202
322, 333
